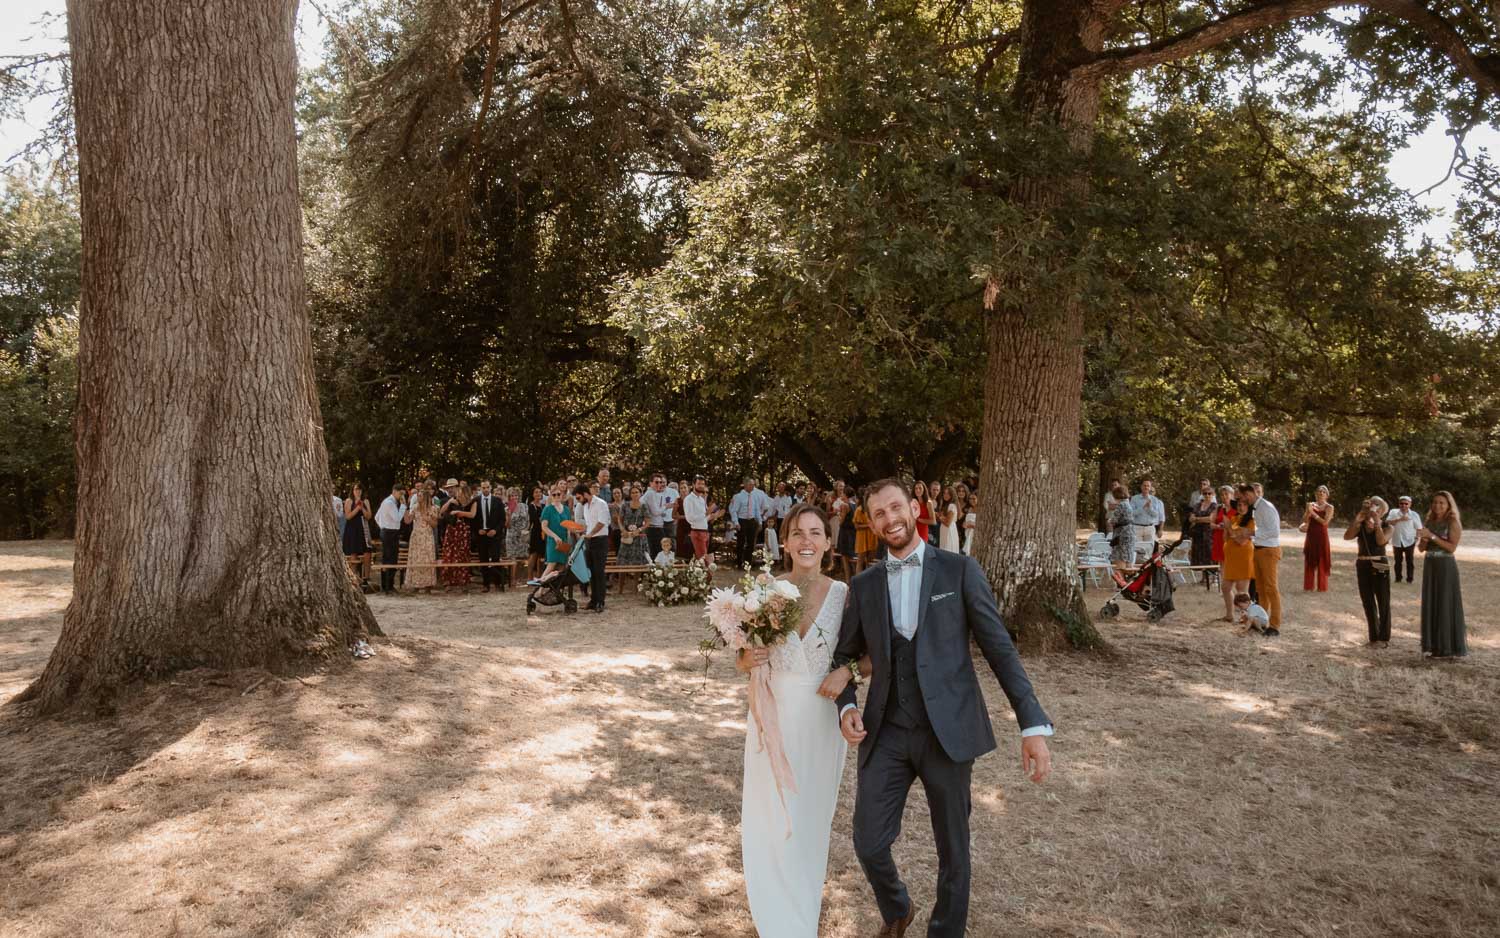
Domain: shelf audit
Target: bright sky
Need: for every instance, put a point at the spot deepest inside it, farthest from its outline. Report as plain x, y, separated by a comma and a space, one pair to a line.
26, 29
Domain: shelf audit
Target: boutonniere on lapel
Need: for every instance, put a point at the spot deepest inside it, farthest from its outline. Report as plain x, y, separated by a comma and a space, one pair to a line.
940, 596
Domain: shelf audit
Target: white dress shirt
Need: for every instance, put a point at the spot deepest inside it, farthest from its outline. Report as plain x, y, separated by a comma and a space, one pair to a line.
904, 586
593, 514
485, 512
1403, 527
748, 506
1267, 524
658, 508
388, 518
695, 510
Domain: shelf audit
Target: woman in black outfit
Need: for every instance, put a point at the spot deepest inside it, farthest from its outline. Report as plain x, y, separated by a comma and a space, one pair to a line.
1372, 569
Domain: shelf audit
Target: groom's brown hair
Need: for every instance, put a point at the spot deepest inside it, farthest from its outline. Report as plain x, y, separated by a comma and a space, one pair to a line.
880, 485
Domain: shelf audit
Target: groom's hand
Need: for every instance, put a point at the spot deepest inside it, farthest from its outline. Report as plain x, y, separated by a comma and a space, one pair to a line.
1036, 760
852, 725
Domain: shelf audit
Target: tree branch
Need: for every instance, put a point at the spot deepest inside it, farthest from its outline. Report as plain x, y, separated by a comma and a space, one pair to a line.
1258, 15
1483, 70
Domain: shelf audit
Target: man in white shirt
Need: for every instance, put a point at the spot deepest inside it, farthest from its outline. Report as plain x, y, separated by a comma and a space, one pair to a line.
781, 505
1404, 524
338, 515
695, 510
1267, 543
388, 519
748, 510
592, 512
658, 513
1148, 514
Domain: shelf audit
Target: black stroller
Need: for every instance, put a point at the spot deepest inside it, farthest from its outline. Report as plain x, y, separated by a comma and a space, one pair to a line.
1151, 587
558, 591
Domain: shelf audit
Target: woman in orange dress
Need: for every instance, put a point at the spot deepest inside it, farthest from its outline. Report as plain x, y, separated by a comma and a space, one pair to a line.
864, 537
1238, 567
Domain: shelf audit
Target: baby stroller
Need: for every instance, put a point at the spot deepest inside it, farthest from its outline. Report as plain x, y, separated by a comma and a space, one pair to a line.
559, 589
1150, 588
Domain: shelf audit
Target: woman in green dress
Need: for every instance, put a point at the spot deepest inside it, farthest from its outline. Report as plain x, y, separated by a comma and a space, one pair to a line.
559, 509
1442, 602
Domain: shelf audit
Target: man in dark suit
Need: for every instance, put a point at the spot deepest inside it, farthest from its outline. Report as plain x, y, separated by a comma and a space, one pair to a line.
924, 716
485, 539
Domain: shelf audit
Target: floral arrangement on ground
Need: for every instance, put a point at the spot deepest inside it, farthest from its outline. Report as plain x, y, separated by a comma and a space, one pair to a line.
673, 586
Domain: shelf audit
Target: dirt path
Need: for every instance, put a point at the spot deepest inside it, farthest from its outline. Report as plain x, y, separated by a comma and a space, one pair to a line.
490, 774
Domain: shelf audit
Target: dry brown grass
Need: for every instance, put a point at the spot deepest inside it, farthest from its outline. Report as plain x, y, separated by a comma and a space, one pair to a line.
489, 774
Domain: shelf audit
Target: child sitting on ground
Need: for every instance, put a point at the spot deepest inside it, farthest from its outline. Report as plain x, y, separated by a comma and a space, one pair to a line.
1251, 615
665, 557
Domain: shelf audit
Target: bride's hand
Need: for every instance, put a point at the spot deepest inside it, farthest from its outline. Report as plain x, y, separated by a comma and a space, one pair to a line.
834, 683
751, 658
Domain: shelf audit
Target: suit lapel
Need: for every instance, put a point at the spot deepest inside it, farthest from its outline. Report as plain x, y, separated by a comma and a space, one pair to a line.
929, 577
887, 621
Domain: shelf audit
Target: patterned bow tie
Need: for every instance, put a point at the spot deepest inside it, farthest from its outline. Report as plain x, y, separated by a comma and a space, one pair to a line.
913, 559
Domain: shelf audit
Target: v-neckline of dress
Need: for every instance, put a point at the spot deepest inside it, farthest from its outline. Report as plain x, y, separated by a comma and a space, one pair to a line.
802, 636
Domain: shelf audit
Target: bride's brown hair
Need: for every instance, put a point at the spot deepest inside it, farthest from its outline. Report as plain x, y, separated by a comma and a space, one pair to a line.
804, 508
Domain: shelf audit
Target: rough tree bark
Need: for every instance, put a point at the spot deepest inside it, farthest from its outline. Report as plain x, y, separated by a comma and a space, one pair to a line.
1034, 370
204, 531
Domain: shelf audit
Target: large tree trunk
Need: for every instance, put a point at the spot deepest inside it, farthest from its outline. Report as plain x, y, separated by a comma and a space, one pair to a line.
204, 531
1034, 371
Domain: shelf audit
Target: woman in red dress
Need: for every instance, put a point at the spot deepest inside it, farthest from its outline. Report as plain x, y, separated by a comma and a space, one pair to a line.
456, 538
924, 511
1317, 555
1221, 521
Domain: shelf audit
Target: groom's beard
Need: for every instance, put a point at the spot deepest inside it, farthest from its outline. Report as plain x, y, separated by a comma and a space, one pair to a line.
911, 534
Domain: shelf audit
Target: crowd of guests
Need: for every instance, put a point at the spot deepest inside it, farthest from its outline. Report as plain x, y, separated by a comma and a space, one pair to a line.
456, 532
1236, 532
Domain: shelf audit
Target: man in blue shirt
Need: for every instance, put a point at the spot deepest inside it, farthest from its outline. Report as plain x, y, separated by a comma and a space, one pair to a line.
748, 510
1148, 514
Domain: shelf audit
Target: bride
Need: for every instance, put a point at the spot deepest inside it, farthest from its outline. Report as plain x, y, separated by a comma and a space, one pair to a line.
784, 873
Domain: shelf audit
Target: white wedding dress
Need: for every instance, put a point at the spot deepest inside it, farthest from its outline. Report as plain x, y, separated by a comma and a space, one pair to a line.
948, 533
784, 875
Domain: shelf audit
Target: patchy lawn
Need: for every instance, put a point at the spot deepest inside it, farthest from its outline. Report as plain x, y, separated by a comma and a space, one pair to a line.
493, 774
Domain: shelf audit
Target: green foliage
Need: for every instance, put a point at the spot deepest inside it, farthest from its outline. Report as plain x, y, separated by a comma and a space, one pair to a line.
838, 253
39, 270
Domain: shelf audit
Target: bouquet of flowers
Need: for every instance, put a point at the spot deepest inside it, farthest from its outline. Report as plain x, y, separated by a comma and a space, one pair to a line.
758, 612
673, 586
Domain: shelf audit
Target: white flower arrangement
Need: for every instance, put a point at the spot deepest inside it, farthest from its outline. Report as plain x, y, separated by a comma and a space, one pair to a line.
673, 586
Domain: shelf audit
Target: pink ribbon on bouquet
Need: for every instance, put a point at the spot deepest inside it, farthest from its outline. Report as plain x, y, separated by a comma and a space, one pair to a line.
763, 709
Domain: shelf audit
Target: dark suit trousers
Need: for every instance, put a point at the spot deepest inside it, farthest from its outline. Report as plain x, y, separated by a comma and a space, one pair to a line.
900, 756
390, 552
1407, 554
745, 542
489, 552
596, 552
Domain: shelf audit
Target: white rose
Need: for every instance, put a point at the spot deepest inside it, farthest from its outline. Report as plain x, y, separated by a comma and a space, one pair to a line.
788, 589
752, 604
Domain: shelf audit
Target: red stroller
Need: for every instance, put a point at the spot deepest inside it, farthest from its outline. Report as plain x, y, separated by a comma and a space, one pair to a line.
1150, 588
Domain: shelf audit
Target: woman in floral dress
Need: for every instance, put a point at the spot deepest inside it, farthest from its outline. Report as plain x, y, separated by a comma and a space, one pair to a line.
517, 529
633, 530
420, 574
459, 511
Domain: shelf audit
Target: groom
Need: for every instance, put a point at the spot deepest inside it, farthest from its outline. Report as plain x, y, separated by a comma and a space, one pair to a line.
924, 716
